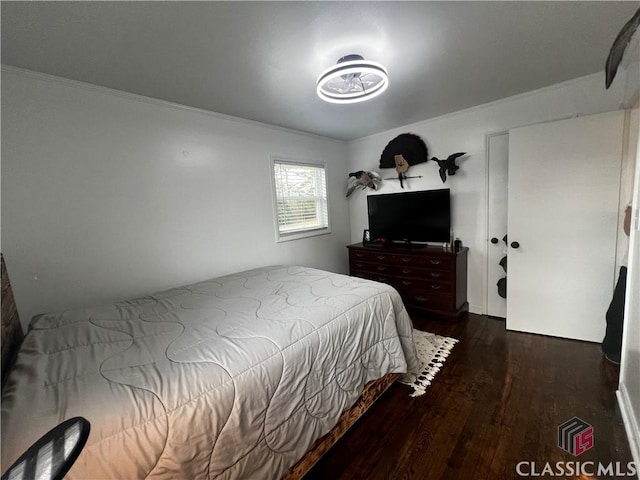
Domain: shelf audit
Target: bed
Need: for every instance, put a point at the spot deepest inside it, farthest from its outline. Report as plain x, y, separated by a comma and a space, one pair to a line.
234, 377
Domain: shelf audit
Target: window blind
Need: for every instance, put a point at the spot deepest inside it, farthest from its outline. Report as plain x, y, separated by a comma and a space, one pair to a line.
301, 197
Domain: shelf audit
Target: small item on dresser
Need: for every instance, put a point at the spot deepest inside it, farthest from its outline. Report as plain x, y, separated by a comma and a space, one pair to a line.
378, 242
367, 242
457, 245
366, 237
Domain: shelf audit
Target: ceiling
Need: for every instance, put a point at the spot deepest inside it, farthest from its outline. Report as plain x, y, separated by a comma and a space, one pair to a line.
260, 60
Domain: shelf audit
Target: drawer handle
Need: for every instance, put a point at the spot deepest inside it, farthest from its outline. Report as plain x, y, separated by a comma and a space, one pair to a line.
435, 262
406, 282
360, 255
435, 287
435, 275
406, 259
420, 299
359, 264
382, 279
406, 270
381, 257
382, 269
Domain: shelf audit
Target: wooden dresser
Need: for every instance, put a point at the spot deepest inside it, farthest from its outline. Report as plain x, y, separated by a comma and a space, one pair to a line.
428, 279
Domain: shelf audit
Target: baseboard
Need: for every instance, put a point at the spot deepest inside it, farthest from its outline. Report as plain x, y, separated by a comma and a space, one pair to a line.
477, 309
631, 425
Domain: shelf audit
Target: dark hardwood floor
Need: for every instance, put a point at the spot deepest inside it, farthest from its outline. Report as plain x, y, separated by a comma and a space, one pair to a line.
498, 401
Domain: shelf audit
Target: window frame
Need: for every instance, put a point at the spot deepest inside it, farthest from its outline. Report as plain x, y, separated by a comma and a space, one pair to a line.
305, 233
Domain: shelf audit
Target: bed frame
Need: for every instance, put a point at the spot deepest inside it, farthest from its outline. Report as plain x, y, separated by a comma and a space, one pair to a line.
372, 391
12, 336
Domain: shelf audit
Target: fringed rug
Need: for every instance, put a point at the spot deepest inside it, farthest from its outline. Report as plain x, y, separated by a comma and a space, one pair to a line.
432, 351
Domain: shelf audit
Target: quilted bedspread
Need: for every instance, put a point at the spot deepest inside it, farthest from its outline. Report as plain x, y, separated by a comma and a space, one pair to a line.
234, 377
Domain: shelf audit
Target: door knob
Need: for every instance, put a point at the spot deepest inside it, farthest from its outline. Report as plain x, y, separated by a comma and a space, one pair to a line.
515, 245
494, 240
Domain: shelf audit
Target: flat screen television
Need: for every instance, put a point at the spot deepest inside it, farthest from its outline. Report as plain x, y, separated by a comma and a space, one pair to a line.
410, 217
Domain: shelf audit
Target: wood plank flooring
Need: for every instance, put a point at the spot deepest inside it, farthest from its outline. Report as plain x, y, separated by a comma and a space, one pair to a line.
498, 401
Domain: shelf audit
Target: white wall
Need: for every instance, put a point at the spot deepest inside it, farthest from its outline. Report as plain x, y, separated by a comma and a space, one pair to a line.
106, 195
466, 131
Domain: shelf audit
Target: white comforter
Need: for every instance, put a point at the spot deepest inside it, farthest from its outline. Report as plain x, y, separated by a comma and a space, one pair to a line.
233, 377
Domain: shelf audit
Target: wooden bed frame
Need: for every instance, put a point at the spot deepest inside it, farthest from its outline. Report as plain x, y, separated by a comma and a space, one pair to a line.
372, 391
12, 338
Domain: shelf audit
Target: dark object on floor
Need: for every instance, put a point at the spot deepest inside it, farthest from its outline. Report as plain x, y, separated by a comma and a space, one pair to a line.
448, 166
619, 45
612, 343
53, 454
403, 151
611, 358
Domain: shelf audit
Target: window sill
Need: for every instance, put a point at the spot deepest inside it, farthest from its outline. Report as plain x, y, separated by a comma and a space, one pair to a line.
303, 234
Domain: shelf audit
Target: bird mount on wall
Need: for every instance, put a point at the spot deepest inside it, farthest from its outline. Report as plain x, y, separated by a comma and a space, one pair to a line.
619, 45
403, 151
448, 166
363, 179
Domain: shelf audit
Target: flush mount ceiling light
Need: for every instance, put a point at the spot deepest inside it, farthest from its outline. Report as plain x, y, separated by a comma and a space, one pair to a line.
353, 79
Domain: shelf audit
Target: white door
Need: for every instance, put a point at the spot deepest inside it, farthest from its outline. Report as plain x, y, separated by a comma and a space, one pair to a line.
564, 180
498, 155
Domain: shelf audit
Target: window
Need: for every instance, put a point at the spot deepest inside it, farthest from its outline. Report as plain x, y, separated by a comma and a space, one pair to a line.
300, 196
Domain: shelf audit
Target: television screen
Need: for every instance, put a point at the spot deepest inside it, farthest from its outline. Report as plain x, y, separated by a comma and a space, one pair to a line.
423, 216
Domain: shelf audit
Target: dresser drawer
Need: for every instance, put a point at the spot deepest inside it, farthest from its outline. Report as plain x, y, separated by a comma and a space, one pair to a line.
432, 262
424, 273
424, 286
428, 300
428, 279
360, 256
376, 277
397, 270
382, 257
375, 257
372, 267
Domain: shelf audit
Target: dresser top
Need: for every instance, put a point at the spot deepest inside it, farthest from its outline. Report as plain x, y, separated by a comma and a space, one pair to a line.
413, 250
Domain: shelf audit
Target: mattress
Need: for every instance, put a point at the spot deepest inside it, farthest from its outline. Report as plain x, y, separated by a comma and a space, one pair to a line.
233, 377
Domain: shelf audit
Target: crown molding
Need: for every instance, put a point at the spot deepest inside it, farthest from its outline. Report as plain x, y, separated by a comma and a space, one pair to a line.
8, 69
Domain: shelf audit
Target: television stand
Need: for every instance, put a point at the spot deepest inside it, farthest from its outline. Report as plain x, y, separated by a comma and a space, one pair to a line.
429, 279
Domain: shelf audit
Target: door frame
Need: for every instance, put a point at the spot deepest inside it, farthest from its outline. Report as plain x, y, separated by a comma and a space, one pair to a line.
485, 263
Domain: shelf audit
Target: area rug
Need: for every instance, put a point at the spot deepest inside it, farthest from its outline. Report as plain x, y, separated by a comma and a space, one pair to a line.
432, 351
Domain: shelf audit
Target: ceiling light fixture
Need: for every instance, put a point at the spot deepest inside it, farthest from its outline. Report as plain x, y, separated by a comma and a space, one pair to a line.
353, 79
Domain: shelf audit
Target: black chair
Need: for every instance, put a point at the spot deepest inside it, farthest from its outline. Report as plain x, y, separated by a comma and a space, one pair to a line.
51, 457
